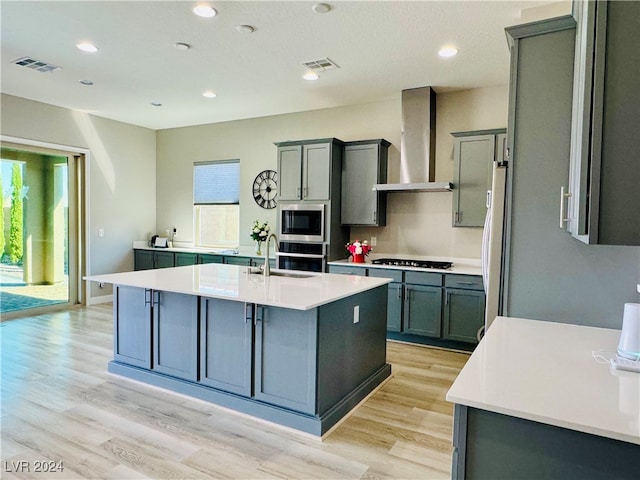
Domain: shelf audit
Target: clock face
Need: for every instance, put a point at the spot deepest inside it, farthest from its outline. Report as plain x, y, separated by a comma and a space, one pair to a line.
265, 189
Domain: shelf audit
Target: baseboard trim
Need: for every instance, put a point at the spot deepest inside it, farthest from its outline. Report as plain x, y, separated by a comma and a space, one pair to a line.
101, 299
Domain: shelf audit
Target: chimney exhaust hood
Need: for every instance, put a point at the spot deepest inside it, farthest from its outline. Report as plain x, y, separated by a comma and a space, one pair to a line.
418, 145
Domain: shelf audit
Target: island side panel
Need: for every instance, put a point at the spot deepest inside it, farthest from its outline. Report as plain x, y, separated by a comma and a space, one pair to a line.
350, 352
501, 446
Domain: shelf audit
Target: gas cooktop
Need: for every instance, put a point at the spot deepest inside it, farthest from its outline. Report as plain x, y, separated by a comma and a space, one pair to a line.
398, 262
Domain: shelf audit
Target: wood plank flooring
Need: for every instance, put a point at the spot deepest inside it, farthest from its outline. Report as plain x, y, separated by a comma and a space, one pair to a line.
59, 404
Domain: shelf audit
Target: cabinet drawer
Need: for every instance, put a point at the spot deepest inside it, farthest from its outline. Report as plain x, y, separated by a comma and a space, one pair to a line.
423, 278
470, 282
396, 275
347, 270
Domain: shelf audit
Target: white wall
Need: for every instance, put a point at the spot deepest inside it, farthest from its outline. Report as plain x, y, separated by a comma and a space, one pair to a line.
418, 223
122, 197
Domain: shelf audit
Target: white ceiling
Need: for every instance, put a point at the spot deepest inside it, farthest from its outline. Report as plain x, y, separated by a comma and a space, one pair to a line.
381, 48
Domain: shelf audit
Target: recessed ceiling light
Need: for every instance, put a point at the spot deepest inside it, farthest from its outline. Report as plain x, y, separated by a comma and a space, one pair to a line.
321, 8
209, 94
181, 46
448, 52
245, 29
86, 82
87, 47
310, 76
205, 11
156, 104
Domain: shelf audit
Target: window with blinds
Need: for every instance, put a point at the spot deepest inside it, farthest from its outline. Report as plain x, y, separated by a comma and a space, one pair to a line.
216, 199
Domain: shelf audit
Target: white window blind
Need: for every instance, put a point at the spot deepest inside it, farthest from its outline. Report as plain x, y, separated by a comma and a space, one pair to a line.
216, 183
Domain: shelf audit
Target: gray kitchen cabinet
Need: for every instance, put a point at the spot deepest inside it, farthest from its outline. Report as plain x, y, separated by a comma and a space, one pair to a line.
306, 169
422, 310
604, 172
132, 326
394, 296
464, 305
348, 269
226, 345
149, 259
364, 165
185, 258
210, 258
243, 261
175, 339
474, 154
286, 357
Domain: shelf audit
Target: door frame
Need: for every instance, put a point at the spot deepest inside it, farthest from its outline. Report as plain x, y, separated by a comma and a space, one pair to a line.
83, 257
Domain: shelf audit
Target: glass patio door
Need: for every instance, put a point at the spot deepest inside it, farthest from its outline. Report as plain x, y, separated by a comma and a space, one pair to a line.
39, 241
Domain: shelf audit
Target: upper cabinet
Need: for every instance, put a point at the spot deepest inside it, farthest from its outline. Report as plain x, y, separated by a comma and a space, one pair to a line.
305, 169
363, 166
474, 154
603, 198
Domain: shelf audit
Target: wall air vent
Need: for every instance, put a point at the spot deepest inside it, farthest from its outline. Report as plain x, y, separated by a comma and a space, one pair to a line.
37, 65
321, 65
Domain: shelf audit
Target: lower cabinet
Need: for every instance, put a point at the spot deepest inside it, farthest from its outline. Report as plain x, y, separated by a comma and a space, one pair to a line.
226, 345
175, 339
132, 326
209, 258
148, 259
429, 304
422, 310
185, 258
285, 357
464, 308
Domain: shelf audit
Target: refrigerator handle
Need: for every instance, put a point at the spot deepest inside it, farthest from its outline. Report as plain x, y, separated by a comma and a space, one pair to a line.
563, 217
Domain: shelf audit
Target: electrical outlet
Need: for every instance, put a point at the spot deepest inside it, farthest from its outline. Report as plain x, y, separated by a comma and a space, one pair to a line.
101, 284
101, 232
374, 241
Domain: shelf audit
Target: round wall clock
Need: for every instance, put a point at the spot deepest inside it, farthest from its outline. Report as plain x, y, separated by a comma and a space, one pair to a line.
265, 188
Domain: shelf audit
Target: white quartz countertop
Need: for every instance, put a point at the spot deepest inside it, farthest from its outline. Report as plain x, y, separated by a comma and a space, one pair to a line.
460, 267
233, 282
546, 372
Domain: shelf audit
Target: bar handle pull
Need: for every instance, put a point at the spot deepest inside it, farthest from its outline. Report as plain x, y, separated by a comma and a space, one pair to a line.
563, 217
147, 298
248, 310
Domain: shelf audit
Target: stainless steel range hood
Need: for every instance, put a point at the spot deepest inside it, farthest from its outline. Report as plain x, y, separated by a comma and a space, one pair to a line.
418, 147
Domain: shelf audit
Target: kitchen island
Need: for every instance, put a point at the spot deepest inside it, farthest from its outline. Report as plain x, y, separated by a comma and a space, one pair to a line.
295, 348
539, 400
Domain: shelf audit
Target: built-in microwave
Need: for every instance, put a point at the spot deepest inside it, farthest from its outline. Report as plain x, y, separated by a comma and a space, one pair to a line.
301, 223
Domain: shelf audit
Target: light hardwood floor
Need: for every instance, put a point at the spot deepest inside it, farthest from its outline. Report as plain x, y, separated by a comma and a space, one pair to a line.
59, 403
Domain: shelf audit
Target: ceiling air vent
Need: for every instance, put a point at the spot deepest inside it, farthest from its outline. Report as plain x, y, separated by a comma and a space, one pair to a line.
321, 65
37, 65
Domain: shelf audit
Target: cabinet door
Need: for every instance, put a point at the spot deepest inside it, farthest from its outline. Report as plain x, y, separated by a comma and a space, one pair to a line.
207, 258
463, 314
226, 345
422, 310
184, 258
132, 326
164, 259
244, 261
347, 270
143, 259
175, 341
473, 157
394, 307
316, 171
290, 172
285, 358
359, 173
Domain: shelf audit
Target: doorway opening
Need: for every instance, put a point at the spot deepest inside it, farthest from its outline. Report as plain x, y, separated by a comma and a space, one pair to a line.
40, 242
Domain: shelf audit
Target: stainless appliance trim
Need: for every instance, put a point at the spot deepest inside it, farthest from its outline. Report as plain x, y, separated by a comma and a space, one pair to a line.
304, 255
301, 237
